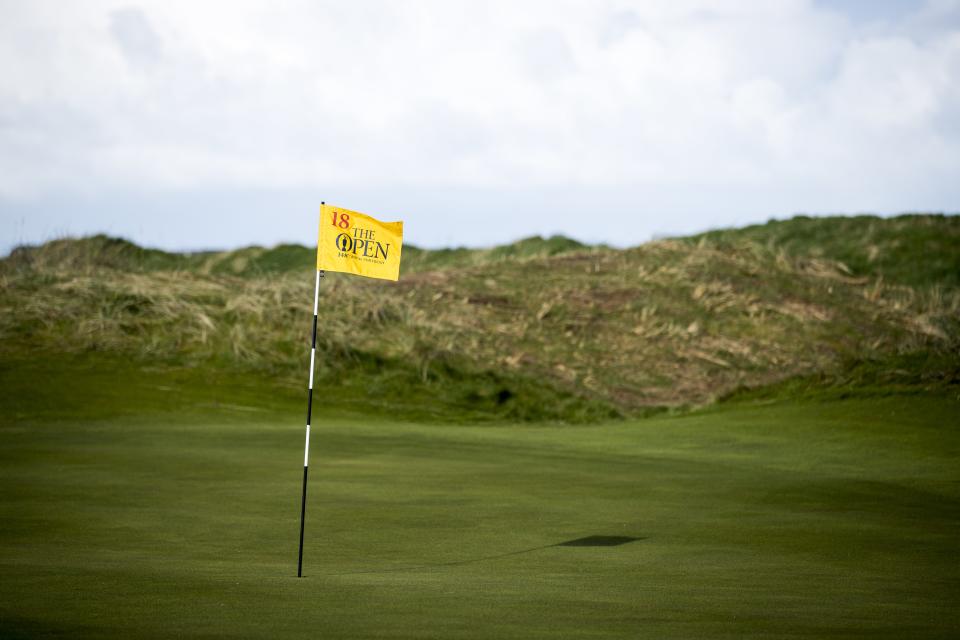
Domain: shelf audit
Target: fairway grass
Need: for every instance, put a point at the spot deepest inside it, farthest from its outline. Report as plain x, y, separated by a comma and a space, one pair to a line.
815, 519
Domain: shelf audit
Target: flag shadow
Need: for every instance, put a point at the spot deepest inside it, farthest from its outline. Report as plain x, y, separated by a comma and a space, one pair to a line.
587, 541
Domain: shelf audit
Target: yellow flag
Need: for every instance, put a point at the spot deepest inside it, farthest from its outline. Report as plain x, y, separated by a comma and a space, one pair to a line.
354, 242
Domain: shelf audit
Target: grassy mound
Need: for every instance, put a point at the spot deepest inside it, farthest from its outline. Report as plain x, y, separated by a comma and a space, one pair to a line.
544, 329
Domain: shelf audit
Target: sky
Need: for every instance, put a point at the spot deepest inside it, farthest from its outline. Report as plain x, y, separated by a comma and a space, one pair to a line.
197, 125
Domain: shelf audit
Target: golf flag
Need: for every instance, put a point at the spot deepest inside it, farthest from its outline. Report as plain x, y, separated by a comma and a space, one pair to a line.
350, 242
353, 242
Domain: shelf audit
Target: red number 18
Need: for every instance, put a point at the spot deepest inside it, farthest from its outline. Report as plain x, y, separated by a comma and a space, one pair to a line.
343, 222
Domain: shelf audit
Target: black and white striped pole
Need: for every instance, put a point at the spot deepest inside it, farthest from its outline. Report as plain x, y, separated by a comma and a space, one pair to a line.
306, 444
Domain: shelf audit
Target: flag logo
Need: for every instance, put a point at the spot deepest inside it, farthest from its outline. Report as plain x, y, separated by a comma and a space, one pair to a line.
353, 242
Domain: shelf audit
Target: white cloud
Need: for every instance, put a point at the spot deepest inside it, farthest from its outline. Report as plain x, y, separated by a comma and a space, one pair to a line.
138, 41
642, 98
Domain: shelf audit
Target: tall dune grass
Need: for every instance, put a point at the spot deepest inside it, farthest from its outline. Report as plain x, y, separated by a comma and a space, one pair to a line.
578, 333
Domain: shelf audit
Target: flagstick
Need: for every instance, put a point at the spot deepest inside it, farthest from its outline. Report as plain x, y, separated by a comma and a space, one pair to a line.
306, 445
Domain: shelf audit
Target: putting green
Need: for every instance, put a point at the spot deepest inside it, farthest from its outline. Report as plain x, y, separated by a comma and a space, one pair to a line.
820, 519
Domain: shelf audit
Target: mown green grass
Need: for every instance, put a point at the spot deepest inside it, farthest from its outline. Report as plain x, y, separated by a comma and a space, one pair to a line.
168, 508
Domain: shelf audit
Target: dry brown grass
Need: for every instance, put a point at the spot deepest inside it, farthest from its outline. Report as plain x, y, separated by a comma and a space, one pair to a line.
664, 324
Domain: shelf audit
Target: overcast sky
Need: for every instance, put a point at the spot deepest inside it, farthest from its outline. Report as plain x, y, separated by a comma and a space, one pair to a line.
218, 124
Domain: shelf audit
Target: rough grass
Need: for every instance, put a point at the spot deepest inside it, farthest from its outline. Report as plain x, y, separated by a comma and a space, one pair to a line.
149, 510
914, 250
102, 251
544, 329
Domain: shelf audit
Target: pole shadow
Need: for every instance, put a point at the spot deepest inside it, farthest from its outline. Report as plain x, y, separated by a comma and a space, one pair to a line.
587, 541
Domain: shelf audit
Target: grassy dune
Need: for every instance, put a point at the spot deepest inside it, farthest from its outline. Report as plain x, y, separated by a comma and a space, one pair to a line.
792, 519
545, 329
